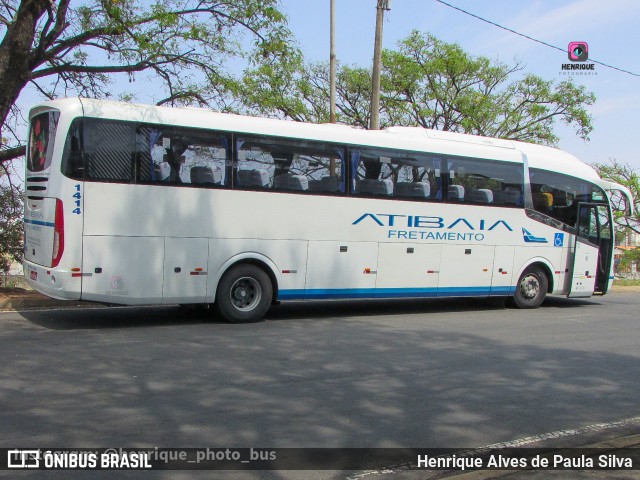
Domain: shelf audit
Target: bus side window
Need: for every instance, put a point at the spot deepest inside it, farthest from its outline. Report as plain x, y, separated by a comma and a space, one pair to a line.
109, 147
484, 182
562, 194
292, 166
205, 161
181, 156
72, 159
373, 177
256, 165
384, 173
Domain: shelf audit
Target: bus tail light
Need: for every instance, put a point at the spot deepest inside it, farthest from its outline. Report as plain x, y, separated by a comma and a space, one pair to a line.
58, 234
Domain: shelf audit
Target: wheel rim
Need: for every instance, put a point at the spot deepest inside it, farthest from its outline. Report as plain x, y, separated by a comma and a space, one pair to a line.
530, 286
245, 294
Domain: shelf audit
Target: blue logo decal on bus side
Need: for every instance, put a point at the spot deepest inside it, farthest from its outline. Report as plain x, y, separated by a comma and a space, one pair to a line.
558, 240
530, 238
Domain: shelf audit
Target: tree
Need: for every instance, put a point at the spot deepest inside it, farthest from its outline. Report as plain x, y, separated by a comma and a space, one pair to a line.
438, 85
78, 48
629, 177
63, 49
630, 258
429, 83
10, 227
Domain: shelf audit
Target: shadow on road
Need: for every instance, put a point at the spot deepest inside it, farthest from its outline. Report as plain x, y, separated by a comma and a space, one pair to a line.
480, 375
136, 317
358, 308
117, 317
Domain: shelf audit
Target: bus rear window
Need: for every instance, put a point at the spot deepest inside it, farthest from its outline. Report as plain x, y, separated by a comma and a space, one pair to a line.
41, 137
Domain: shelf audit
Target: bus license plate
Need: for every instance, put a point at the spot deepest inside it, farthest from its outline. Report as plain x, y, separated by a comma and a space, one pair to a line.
33, 275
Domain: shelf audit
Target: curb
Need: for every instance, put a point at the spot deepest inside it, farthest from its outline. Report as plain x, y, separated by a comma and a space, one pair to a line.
624, 288
34, 301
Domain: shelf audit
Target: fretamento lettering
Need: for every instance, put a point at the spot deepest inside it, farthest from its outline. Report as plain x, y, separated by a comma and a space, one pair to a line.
443, 236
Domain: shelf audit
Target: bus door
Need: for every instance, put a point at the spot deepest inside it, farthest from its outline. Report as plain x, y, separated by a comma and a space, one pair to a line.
591, 251
605, 256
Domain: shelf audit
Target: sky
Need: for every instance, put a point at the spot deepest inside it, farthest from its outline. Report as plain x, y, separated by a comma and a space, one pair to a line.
610, 28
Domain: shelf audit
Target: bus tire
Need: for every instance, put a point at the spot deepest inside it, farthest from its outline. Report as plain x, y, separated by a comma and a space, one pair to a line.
531, 289
244, 294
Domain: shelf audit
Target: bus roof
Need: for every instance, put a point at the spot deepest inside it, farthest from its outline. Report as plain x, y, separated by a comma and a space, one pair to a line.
409, 138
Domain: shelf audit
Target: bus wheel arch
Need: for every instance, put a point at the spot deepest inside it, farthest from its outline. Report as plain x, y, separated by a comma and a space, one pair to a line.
534, 282
245, 291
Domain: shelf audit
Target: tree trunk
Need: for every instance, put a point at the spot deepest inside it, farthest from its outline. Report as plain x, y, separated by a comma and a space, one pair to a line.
16, 57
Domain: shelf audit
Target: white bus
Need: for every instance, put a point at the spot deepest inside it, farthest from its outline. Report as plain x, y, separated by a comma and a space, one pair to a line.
134, 204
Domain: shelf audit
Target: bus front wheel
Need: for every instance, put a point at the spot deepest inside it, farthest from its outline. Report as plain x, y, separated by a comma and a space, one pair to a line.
244, 294
531, 289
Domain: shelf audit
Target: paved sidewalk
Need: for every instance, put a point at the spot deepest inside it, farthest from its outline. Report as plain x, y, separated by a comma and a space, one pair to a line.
21, 299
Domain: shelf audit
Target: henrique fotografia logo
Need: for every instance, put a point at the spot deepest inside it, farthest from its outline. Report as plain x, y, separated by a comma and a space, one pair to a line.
578, 53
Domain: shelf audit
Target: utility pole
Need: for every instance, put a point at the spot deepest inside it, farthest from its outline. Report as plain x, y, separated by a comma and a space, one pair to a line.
332, 65
374, 123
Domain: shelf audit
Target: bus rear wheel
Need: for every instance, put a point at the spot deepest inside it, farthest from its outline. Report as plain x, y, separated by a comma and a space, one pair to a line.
531, 289
244, 294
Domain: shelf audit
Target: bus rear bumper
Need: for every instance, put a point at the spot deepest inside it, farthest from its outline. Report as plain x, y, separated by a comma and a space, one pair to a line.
56, 283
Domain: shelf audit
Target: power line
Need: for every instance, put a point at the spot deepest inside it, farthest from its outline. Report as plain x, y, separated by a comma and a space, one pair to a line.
531, 38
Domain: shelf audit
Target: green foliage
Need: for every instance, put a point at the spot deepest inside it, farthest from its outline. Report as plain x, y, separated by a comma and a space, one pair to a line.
425, 82
630, 257
623, 174
10, 226
438, 85
185, 46
627, 176
274, 86
78, 48
621, 282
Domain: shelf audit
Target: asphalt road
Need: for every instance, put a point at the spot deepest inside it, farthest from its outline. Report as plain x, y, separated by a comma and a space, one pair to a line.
455, 374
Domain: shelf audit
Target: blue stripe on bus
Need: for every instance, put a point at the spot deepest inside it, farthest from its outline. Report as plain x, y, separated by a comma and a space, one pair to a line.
503, 290
320, 293
345, 293
406, 292
39, 222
